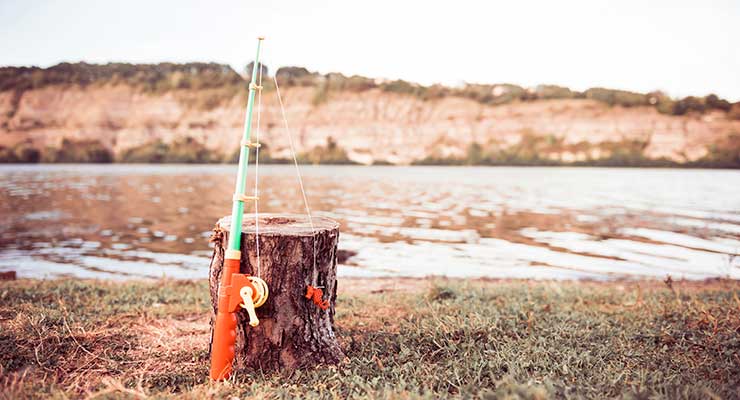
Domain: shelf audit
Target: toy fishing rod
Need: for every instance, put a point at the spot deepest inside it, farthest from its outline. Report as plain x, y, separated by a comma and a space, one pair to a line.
237, 290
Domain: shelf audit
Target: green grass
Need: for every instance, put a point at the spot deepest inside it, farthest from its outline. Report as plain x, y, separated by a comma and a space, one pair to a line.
478, 339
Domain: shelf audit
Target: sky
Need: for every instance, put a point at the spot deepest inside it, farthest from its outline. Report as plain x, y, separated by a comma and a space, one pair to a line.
680, 47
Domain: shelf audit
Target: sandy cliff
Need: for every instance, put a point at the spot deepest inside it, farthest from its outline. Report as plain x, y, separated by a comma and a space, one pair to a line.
371, 125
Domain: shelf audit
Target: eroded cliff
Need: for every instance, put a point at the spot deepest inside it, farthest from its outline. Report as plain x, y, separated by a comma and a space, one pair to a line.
371, 125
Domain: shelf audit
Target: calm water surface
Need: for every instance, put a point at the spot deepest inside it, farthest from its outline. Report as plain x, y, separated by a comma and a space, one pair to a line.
149, 221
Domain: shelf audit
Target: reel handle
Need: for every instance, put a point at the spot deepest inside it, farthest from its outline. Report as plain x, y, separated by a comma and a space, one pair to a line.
246, 294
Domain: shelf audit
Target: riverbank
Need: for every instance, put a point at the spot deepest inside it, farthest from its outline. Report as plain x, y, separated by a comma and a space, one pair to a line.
403, 338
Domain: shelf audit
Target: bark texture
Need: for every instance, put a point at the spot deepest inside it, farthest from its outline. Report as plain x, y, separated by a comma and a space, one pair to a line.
293, 332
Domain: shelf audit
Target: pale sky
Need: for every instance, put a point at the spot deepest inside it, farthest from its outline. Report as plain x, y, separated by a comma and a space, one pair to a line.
681, 47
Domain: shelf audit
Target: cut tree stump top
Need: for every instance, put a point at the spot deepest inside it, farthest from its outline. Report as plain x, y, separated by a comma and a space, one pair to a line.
282, 224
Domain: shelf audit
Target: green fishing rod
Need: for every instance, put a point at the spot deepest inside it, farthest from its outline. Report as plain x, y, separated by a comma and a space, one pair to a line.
237, 208
237, 290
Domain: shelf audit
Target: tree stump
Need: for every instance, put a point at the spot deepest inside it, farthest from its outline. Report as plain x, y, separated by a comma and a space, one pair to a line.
293, 332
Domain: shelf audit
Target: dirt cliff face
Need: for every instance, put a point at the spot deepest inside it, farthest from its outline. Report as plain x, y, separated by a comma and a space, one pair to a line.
371, 125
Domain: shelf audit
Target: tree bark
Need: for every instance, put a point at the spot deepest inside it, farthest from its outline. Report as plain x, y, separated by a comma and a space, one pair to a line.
293, 332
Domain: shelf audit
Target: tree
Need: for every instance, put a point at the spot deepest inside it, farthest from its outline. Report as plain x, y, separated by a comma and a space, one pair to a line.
250, 66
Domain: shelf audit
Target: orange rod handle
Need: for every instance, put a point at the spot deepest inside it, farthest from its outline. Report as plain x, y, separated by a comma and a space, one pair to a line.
224, 333
222, 353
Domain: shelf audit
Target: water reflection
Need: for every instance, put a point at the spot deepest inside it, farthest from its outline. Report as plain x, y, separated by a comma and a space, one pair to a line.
145, 221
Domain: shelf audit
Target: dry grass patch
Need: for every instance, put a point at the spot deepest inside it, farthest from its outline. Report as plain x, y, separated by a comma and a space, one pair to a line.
406, 339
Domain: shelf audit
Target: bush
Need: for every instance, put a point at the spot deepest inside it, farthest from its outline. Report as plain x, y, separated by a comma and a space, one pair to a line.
26, 153
295, 76
320, 95
734, 112
329, 154
154, 152
7, 155
264, 153
23, 152
700, 105
335, 82
475, 154
494, 94
248, 70
617, 97
436, 91
78, 151
554, 92
723, 154
437, 160
424, 93
626, 153
186, 151
530, 150
714, 102
662, 102
688, 104
355, 83
402, 87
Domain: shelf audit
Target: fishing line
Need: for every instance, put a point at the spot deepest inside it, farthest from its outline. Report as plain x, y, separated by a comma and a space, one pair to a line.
257, 171
300, 179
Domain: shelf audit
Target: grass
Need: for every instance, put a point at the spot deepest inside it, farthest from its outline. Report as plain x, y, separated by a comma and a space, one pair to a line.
439, 339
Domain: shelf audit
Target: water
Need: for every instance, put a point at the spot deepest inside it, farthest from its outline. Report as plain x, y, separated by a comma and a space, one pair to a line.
149, 221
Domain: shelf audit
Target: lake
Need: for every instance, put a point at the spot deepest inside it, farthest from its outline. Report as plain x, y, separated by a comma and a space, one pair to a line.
150, 221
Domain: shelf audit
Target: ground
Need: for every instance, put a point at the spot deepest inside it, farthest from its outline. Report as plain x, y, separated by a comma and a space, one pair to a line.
408, 338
